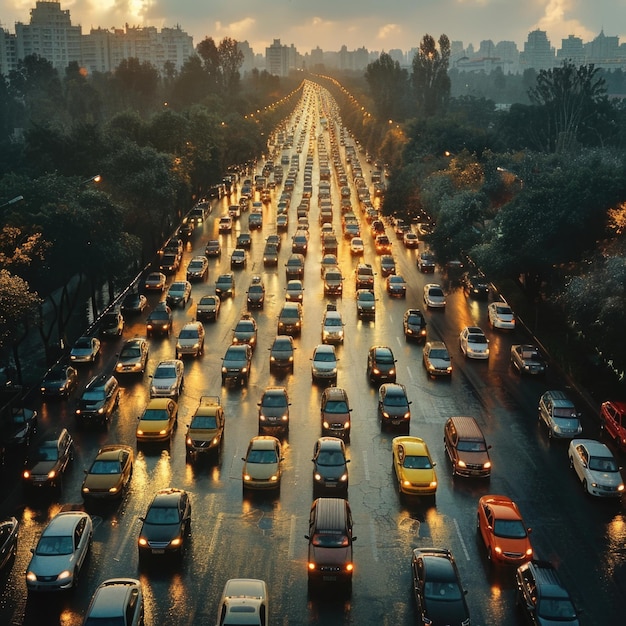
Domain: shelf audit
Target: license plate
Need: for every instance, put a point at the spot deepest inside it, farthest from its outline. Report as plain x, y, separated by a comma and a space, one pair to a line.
158, 551
396, 422
329, 579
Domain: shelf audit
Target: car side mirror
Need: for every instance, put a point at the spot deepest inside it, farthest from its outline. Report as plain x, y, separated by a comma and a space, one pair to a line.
529, 530
489, 447
142, 519
306, 537
410, 401
348, 460
243, 458
32, 550
353, 539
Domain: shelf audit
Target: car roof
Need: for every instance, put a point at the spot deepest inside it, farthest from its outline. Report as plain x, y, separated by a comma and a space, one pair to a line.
167, 497
325, 348
158, 403
335, 393
393, 389
331, 443
112, 453
595, 448
264, 442
111, 596
436, 345
248, 587
412, 445
502, 506
64, 523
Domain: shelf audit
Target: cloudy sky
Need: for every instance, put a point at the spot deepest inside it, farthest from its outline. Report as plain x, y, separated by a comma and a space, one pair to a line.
376, 24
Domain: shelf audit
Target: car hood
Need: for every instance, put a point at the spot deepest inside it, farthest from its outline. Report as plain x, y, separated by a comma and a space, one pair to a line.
48, 565
324, 366
612, 479
331, 472
234, 363
80, 352
42, 468
445, 612
163, 383
160, 532
101, 482
331, 556
189, 341
202, 434
274, 411
282, 355
261, 471
417, 475
152, 426
440, 364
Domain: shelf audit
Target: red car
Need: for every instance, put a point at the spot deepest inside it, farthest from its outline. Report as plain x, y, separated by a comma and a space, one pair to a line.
613, 417
504, 533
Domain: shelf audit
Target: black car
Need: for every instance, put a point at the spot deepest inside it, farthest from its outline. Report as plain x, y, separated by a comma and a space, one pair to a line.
414, 325
133, 303
281, 353
225, 285
381, 365
330, 468
111, 325
46, 465
100, 398
542, 596
236, 364
213, 249
475, 286
256, 293
166, 525
274, 410
439, 595
59, 381
159, 321
244, 241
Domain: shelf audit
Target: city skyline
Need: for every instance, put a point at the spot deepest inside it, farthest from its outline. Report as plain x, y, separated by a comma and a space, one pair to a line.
373, 25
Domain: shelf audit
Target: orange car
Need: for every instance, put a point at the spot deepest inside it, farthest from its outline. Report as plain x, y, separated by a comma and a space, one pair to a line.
503, 531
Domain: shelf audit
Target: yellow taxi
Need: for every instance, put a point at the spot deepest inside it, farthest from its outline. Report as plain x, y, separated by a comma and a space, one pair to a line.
414, 467
158, 421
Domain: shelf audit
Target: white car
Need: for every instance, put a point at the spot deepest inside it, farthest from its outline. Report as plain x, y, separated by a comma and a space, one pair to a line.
332, 327
596, 467
324, 364
168, 379
434, 298
116, 601
85, 350
357, 246
60, 552
244, 597
473, 343
190, 340
501, 316
294, 292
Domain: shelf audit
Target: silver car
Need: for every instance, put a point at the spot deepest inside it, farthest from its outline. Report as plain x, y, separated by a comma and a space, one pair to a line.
168, 379
116, 601
60, 552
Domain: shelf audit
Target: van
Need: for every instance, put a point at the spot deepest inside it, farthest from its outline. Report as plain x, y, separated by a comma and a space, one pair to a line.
465, 445
330, 541
559, 414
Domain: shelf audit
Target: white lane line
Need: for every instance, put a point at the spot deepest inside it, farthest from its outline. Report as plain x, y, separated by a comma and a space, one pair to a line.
292, 538
373, 540
458, 532
366, 466
408, 369
399, 342
215, 533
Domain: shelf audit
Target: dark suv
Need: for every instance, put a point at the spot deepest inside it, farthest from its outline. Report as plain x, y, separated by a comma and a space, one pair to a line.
236, 364
100, 398
46, 466
159, 321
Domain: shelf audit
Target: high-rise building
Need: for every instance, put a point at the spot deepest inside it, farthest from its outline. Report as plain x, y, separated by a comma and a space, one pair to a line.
277, 59
538, 53
571, 50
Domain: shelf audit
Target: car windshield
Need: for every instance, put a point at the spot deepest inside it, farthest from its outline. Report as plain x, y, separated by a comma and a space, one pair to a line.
366, 297
188, 333
336, 406
130, 352
564, 412
557, 609
106, 467
83, 343
324, 357
234, 355
504, 310
333, 321
176, 288
262, 456
162, 515
196, 265
509, 529
55, 546
207, 300
204, 422
274, 400
442, 591
435, 292
46, 453
471, 446
476, 339
282, 346
330, 540
165, 372
417, 462
332, 458
246, 327
384, 358
603, 464
395, 400
440, 354
154, 415
56, 374
255, 289
159, 315
95, 395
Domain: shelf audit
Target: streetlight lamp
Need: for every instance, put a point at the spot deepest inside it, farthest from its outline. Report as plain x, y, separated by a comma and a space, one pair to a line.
93, 179
12, 201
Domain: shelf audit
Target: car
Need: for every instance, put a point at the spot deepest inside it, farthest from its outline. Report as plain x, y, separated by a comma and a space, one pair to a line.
166, 526
324, 364
613, 421
60, 553
426, 263
234, 211
159, 321
410, 240
414, 325
364, 276
245, 331
47, 463
205, 432
155, 281
274, 410
559, 414
179, 293
335, 413
270, 255
190, 340
502, 529
475, 286
542, 596
396, 286
330, 467
596, 468
501, 316
236, 364
357, 247
281, 353
256, 293
244, 241
197, 269
225, 285
208, 308
473, 343
300, 242
59, 381
436, 359
294, 268
158, 421
116, 601
528, 359
387, 265
255, 220
328, 260
19, 426
169, 263
381, 365
244, 599
294, 291
99, 399
365, 304
290, 319
282, 222
85, 350
330, 244
439, 594
262, 464
9, 535
109, 474
134, 303
111, 325
434, 297
332, 326
168, 379
394, 408
213, 249
133, 357
238, 259
175, 246
382, 244
466, 447
225, 224
413, 466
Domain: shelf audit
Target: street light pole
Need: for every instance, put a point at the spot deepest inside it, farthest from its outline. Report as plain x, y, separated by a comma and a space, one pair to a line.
12, 201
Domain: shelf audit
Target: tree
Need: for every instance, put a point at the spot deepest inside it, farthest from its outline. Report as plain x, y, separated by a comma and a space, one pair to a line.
387, 82
211, 62
231, 60
431, 84
136, 82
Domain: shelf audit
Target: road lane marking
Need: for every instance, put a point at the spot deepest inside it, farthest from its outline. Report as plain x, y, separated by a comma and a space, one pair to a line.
408, 369
292, 538
458, 532
366, 467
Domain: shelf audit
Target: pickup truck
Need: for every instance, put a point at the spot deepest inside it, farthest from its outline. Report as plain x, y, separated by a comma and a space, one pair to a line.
527, 359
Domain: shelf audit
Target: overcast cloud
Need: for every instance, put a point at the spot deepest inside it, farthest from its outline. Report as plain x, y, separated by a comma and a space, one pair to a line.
329, 24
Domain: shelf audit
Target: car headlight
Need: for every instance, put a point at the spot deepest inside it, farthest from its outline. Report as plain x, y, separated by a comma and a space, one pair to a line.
433, 484
284, 418
407, 415
317, 476
385, 414
461, 463
392, 371
176, 541
272, 358
262, 418
343, 478
31, 576
51, 474
274, 478
139, 432
142, 541
487, 465
113, 490
224, 370
64, 574
163, 431
325, 424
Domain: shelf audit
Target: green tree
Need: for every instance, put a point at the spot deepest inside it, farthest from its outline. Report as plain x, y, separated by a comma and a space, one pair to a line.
387, 82
136, 83
231, 60
431, 84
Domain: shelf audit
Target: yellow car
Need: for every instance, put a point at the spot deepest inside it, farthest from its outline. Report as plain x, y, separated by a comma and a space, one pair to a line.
109, 473
415, 470
261, 468
158, 421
